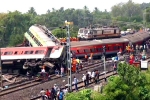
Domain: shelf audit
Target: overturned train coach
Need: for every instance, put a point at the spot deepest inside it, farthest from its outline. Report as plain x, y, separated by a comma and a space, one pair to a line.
31, 58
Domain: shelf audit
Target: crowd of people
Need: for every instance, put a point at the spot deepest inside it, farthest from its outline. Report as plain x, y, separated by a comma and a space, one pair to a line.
55, 93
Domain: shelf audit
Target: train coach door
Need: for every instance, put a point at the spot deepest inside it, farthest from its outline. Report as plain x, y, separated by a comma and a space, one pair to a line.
48, 52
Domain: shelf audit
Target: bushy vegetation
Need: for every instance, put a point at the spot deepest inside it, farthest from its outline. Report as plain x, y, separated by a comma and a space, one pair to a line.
126, 15
129, 84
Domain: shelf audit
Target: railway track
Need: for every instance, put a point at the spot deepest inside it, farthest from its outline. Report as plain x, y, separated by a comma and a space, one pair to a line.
38, 85
49, 83
81, 84
31, 83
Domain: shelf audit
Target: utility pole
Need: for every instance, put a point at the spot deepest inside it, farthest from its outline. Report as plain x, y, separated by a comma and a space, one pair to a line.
104, 52
69, 56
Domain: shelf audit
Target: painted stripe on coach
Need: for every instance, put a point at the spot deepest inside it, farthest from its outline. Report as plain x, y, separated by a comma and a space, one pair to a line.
22, 57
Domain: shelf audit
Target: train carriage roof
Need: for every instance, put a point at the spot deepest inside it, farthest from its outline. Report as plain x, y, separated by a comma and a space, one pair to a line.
139, 36
97, 42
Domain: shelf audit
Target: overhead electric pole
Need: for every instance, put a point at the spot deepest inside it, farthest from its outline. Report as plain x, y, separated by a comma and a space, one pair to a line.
69, 56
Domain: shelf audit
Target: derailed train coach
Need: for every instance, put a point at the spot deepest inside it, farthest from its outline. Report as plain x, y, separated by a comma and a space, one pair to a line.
31, 58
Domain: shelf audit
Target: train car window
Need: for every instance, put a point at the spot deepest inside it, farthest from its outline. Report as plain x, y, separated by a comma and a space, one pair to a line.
94, 31
8, 53
99, 49
107, 48
81, 31
119, 47
107, 31
93, 50
85, 31
99, 32
39, 51
74, 51
80, 51
28, 52
115, 48
16, 52
86, 50
30, 33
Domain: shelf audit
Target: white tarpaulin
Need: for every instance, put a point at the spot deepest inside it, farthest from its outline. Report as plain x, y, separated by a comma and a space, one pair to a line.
144, 64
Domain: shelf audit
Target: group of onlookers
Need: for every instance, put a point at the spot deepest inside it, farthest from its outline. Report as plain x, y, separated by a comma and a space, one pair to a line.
55, 93
90, 77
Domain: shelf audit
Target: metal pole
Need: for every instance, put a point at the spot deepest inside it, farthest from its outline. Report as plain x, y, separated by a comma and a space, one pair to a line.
1, 77
69, 59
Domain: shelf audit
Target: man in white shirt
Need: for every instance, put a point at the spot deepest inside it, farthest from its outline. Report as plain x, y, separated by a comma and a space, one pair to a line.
84, 79
43, 70
90, 74
42, 93
62, 71
93, 76
75, 80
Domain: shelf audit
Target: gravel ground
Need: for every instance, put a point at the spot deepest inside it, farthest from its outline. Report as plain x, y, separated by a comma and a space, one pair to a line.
28, 93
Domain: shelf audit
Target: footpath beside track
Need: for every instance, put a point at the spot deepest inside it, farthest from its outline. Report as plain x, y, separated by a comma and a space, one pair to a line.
81, 84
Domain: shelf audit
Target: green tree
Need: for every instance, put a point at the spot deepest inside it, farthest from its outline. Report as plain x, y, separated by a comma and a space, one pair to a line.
15, 39
60, 33
131, 84
81, 95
